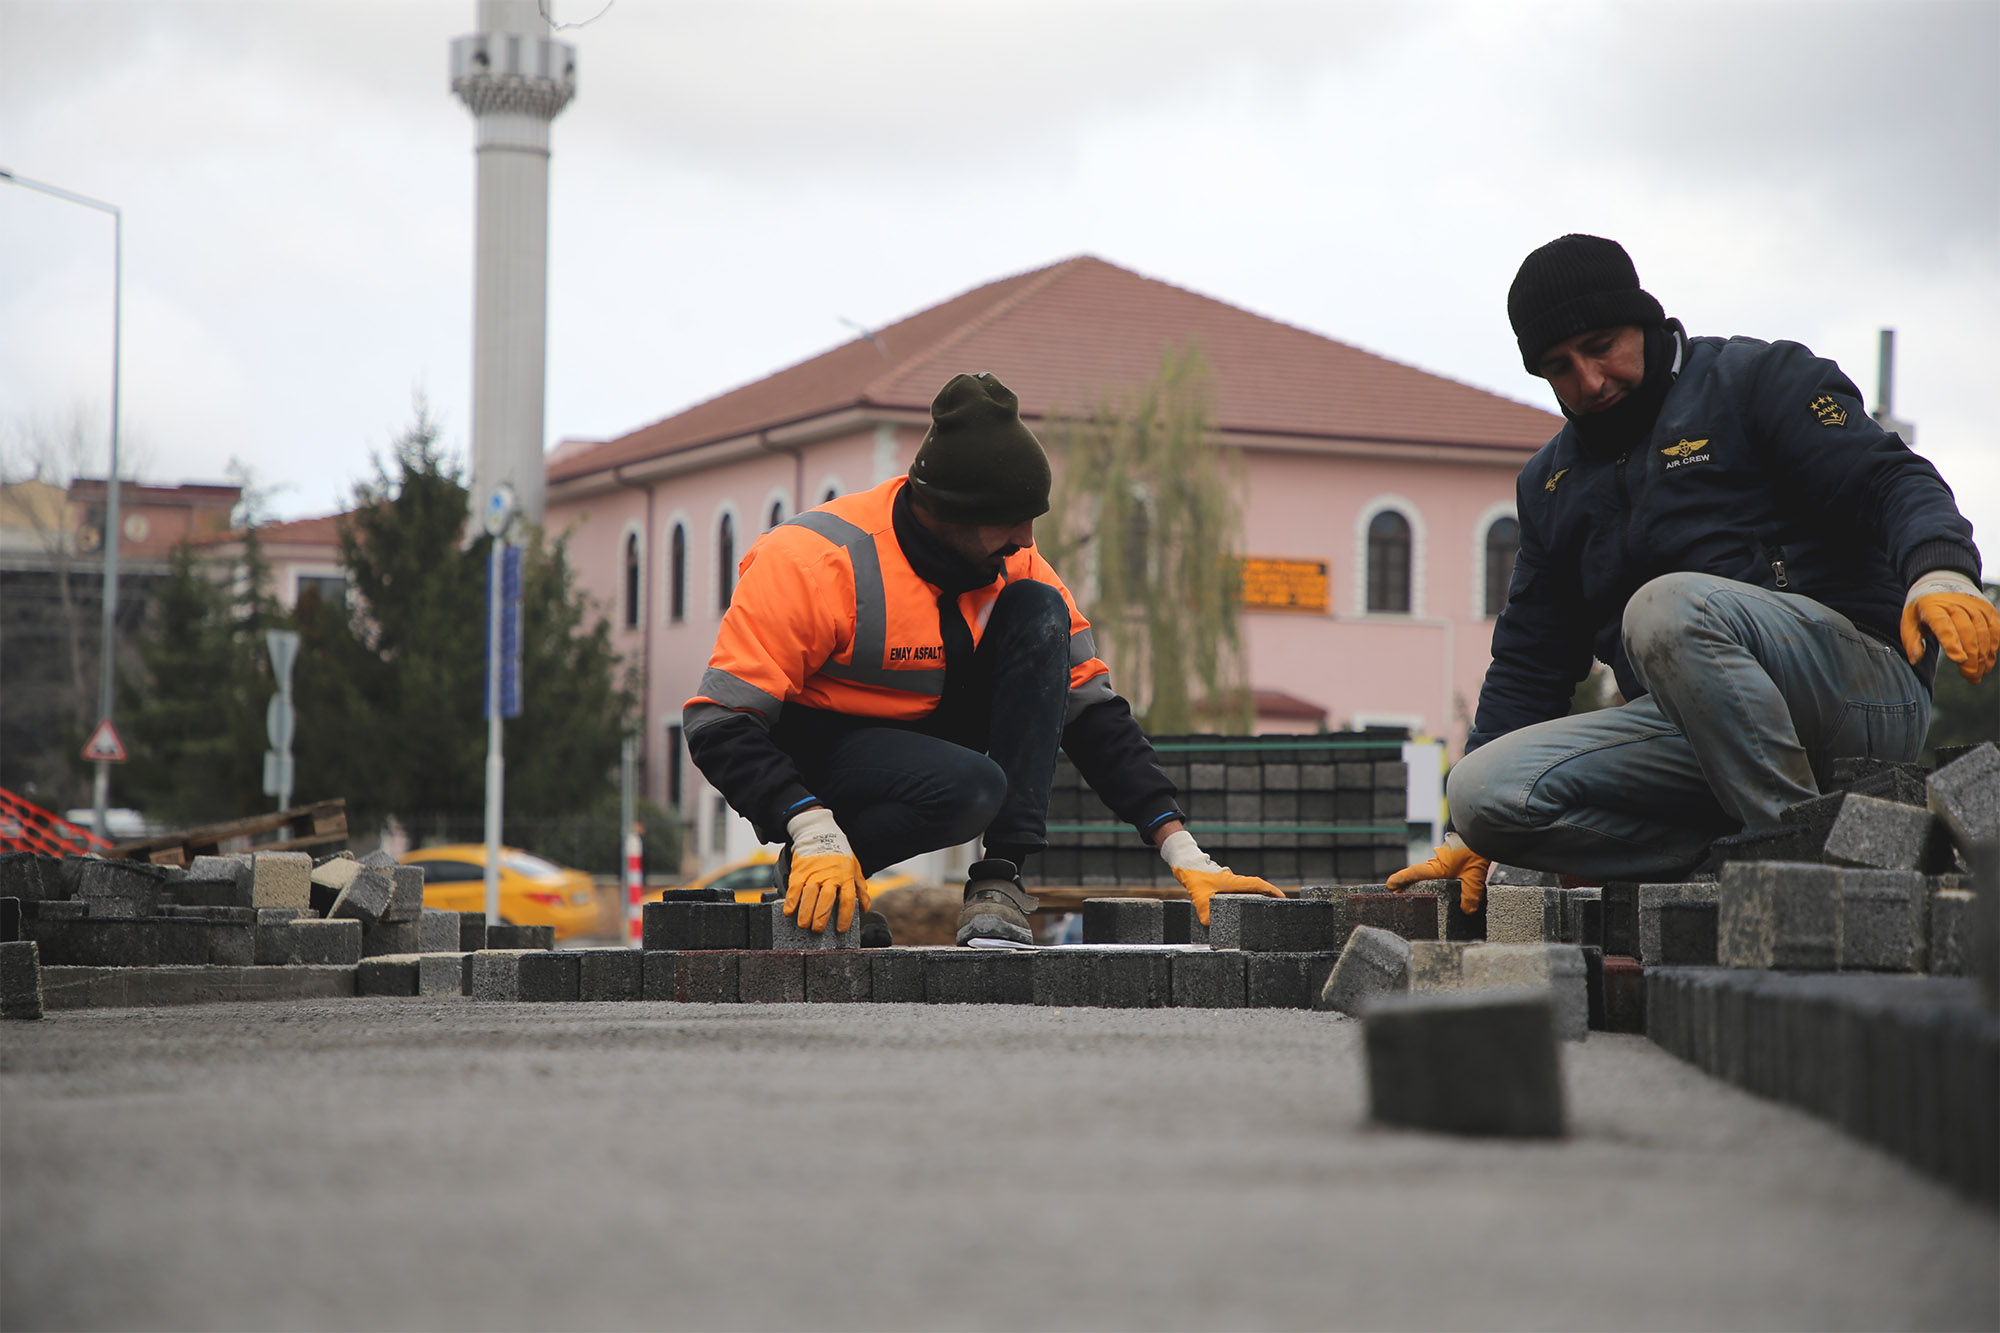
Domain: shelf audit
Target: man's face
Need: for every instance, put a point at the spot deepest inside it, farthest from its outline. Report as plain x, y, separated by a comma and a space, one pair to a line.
985, 546
1593, 370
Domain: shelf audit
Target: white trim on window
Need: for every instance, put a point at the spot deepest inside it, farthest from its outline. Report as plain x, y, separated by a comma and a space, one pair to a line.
634, 531
726, 509
777, 496
1418, 541
679, 516
1488, 516
830, 482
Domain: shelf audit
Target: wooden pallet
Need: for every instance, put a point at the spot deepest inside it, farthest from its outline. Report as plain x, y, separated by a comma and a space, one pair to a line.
315, 825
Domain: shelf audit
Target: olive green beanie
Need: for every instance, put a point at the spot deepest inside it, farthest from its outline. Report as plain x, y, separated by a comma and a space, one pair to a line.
978, 463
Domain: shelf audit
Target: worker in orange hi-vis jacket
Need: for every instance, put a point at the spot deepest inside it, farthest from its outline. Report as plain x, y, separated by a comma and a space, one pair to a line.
896, 671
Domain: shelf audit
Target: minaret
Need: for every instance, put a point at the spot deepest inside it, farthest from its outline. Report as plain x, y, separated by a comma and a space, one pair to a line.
515, 77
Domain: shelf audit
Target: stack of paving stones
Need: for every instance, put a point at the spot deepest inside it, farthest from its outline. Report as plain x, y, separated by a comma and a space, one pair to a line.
261, 925
1289, 808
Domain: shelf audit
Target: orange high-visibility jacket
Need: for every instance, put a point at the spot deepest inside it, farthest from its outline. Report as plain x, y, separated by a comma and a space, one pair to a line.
828, 613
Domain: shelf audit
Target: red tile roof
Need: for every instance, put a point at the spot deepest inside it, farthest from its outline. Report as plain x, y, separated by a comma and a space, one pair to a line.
321, 531
1062, 336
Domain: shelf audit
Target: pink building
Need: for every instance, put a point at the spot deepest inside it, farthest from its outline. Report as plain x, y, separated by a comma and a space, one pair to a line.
1394, 483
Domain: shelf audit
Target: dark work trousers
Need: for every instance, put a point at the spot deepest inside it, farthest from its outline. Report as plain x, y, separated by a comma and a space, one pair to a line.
982, 763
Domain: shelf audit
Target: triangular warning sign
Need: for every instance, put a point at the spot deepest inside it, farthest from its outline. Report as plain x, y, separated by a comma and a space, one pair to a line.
104, 747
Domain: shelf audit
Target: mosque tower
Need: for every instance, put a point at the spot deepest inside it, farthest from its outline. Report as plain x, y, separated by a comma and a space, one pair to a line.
515, 78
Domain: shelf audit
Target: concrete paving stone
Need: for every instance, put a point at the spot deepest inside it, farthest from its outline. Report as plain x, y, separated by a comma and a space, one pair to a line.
92, 943
1557, 969
549, 975
20, 979
1965, 795
658, 974
1522, 914
1285, 980
1779, 914
707, 977
232, 890
1133, 979
1437, 964
406, 896
1905, 784
180, 942
279, 916
979, 976
328, 878
1687, 934
391, 974
771, 976
1593, 980
471, 932
386, 937
437, 931
1067, 978
10, 920
22, 876
1179, 924
1374, 962
1336, 895
328, 943
61, 909
123, 987
509, 936
1412, 914
1466, 1063
232, 943
441, 973
1879, 834
281, 879
1288, 925
1590, 922
378, 860
365, 897
1884, 920
495, 974
1620, 901
1225, 919
896, 976
1501, 873
610, 974
1208, 980
839, 976
690, 926
69, 874
1569, 909
782, 932
1951, 923
120, 889
1124, 921
1653, 896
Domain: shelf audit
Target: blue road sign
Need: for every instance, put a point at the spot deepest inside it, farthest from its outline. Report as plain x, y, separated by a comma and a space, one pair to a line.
510, 635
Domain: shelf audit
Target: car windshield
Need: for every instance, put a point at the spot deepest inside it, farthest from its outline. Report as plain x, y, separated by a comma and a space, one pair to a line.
758, 876
534, 867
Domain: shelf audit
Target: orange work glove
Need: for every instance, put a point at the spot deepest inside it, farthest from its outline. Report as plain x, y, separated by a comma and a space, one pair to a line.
1456, 861
1955, 611
1202, 877
824, 873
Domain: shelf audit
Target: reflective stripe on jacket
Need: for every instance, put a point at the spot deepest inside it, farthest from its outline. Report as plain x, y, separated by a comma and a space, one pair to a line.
829, 614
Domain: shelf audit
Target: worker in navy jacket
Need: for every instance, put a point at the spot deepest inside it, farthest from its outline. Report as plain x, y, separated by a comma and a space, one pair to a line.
1771, 576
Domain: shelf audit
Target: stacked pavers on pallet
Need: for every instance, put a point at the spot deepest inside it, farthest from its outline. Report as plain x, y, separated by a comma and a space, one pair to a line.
1292, 809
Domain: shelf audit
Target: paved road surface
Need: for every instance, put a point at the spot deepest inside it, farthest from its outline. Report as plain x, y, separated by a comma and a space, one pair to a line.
423, 1164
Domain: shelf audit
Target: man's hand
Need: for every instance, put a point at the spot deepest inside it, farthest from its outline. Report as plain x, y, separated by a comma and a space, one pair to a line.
1952, 607
1456, 861
1202, 877
824, 873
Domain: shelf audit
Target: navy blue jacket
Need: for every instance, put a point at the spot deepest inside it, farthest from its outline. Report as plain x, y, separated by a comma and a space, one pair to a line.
1762, 467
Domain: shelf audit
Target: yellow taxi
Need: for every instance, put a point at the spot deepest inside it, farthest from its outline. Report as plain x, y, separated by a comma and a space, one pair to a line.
750, 878
533, 891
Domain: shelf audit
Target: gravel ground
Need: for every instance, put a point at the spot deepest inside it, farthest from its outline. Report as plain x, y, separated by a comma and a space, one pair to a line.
387, 1163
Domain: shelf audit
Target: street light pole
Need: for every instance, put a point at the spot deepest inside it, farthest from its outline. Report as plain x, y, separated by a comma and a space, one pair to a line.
107, 639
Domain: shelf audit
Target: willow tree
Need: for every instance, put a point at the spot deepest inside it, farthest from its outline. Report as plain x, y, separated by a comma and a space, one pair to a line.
1146, 514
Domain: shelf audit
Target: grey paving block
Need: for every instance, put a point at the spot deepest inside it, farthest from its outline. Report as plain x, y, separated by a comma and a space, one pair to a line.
1437, 964
693, 978
180, 941
784, 932
1285, 980
495, 974
217, 881
437, 931
118, 987
471, 932
1466, 1063
1590, 922
1374, 962
364, 897
406, 896
1501, 873
1124, 921
508, 936
232, 943
1209, 980
1951, 924
387, 937
1879, 834
378, 859
1556, 969
279, 916
979, 976
896, 976
1287, 925
1133, 979
1180, 925
61, 909
20, 980
27, 876
1066, 978
1620, 905
326, 943
1779, 914
441, 973
1653, 896
1522, 914
1413, 913
549, 976
771, 976
610, 974
693, 926
328, 879
281, 879
1884, 920
92, 943
10, 920
1687, 934
1593, 976
1225, 919
391, 974
1965, 795
839, 976
120, 889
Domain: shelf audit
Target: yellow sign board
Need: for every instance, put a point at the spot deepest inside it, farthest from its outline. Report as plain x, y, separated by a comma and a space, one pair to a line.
1272, 583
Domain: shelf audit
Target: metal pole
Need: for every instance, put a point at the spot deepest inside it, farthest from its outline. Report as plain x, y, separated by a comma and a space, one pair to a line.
108, 642
496, 766
1885, 375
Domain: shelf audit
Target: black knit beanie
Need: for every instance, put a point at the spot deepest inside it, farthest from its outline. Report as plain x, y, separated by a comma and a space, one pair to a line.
978, 463
1573, 285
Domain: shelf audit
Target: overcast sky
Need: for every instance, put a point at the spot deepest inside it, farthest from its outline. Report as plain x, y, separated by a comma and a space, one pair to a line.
736, 178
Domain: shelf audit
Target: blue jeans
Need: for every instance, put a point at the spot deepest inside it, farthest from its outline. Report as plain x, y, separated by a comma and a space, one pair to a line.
1751, 696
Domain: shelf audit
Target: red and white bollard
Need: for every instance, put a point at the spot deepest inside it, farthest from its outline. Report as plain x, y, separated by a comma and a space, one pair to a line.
635, 882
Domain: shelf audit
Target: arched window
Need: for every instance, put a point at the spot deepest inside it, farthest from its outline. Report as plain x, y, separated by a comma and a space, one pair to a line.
776, 516
1389, 562
677, 574
725, 560
632, 581
1503, 540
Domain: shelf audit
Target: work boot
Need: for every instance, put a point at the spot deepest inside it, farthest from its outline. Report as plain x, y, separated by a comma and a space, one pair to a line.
996, 906
875, 931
